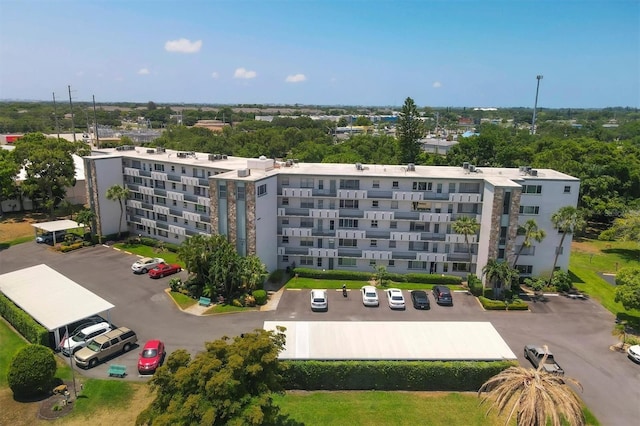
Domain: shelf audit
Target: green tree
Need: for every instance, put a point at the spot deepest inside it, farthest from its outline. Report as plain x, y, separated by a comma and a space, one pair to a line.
628, 287
620, 331
531, 233
627, 227
9, 170
467, 226
409, 131
381, 275
32, 371
500, 273
118, 193
252, 272
536, 397
232, 382
567, 220
86, 217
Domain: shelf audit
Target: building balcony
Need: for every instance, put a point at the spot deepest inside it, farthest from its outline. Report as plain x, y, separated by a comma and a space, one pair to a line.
348, 252
385, 235
385, 195
304, 251
351, 213
294, 211
323, 193
406, 215
430, 236
323, 232
464, 198
430, 195
403, 255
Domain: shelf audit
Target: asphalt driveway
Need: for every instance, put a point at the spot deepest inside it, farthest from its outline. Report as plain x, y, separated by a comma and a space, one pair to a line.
577, 331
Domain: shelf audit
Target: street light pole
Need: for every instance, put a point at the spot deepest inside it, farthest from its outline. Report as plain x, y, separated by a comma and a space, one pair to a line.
535, 106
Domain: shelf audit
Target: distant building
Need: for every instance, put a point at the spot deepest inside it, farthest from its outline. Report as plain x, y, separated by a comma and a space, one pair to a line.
213, 125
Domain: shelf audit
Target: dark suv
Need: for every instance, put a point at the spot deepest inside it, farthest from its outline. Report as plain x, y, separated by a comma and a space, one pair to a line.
442, 295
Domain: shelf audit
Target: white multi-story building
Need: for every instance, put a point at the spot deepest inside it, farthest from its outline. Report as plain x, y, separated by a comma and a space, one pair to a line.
335, 216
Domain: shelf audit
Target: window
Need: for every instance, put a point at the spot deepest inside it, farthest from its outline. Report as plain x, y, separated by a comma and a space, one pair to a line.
158, 167
240, 195
392, 263
201, 209
376, 184
137, 179
173, 168
173, 185
445, 267
348, 223
349, 204
285, 201
222, 190
374, 243
175, 219
285, 258
529, 209
183, 170
285, 181
346, 261
374, 204
392, 243
416, 264
306, 260
532, 189
285, 220
184, 204
394, 204
394, 184
304, 242
559, 250
320, 204
306, 203
419, 186
199, 191
306, 183
374, 223
319, 262
320, 184
506, 203
567, 189
452, 187
175, 203
163, 233
501, 253
184, 187
162, 217
372, 263
285, 239
347, 242
393, 224
349, 184
525, 269
137, 196
262, 190
418, 226
161, 200
306, 222
459, 267
526, 251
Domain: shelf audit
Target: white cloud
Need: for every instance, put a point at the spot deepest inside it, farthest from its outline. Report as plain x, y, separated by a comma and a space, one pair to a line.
295, 78
437, 84
243, 73
143, 71
183, 45
215, 75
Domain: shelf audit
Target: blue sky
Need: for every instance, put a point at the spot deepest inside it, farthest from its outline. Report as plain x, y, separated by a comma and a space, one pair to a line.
354, 52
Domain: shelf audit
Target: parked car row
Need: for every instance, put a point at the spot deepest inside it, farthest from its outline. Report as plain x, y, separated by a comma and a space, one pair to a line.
155, 266
395, 298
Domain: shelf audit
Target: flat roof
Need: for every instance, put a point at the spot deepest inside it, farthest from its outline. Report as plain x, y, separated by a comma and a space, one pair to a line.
57, 225
49, 297
392, 340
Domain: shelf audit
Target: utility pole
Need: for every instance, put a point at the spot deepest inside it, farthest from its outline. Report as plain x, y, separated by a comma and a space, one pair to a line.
55, 114
73, 125
95, 123
535, 106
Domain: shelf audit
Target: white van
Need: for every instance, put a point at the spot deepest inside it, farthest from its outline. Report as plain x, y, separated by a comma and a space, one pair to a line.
83, 337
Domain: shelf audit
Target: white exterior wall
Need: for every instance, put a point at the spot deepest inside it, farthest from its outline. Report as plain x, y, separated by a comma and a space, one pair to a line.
267, 223
108, 172
485, 227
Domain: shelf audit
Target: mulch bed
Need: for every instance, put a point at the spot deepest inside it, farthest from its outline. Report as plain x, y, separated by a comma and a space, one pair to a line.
54, 406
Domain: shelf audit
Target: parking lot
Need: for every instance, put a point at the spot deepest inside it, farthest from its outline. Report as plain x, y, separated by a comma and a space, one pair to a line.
577, 331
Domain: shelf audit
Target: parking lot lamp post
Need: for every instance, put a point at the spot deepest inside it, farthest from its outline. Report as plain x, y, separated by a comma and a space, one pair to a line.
535, 106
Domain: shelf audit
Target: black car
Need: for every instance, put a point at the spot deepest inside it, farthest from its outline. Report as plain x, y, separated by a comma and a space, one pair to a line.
420, 299
442, 295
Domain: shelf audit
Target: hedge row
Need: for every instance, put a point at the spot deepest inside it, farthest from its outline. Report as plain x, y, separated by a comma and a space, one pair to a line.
390, 375
499, 305
23, 323
152, 242
70, 247
336, 274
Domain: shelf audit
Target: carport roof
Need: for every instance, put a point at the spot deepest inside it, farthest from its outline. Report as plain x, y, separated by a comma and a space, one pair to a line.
49, 297
57, 225
392, 340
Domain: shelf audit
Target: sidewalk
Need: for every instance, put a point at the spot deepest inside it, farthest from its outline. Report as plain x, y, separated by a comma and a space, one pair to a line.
271, 305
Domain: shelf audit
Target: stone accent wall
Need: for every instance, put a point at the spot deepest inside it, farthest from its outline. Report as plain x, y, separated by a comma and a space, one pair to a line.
232, 212
512, 231
250, 189
213, 206
496, 214
92, 195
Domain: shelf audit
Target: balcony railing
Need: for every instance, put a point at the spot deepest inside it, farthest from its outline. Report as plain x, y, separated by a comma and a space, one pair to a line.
351, 213
372, 193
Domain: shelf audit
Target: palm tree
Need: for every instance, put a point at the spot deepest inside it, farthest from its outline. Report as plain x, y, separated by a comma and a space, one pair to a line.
500, 272
535, 396
466, 226
118, 193
531, 232
566, 220
86, 217
620, 331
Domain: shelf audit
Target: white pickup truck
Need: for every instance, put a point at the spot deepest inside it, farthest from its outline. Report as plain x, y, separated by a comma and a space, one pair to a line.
535, 354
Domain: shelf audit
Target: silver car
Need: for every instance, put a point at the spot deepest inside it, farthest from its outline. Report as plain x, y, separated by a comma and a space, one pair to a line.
395, 298
319, 301
146, 264
369, 296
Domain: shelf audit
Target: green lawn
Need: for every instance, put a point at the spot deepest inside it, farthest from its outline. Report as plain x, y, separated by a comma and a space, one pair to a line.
591, 257
101, 394
225, 309
309, 283
183, 300
11, 343
146, 251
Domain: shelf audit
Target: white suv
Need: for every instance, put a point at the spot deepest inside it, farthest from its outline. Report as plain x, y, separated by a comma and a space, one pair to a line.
83, 337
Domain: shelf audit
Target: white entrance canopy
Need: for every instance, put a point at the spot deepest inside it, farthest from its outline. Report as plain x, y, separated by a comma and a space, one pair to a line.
392, 340
57, 225
49, 297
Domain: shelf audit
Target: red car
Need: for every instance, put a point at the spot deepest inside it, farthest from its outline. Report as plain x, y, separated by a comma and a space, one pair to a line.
164, 269
151, 357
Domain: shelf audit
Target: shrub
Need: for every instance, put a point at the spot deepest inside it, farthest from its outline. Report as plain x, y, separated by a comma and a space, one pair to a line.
249, 300
390, 375
561, 281
32, 371
276, 276
432, 278
175, 284
70, 247
366, 276
475, 284
260, 297
237, 303
500, 305
536, 284
23, 322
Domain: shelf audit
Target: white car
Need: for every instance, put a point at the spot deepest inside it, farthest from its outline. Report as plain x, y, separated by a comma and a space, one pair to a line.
146, 264
634, 352
395, 298
369, 296
319, 301
83, 337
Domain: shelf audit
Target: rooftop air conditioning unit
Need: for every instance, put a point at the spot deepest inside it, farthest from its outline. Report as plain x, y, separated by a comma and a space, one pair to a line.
359, 166
160, 149
411, 167
182, 155
472, 168
289, 163
522, 169
465, 165
224, 156
533, 172
212, 157
527, 169
243, 172
151, 151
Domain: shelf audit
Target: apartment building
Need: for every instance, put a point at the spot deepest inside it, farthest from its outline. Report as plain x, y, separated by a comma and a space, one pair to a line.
335, 216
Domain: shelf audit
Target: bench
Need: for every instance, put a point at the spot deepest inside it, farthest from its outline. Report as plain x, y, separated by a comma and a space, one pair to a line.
204, 301
117, 370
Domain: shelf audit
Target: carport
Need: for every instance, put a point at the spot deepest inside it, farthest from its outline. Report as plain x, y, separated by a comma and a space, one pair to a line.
392, 340
55, 226
50, 298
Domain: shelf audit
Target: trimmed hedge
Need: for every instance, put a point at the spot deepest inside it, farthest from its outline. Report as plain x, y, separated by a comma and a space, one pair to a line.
499, 305
336, 274
390, 375
152, 242
71, 247
475, 285
260, 297
23, 323
32, 371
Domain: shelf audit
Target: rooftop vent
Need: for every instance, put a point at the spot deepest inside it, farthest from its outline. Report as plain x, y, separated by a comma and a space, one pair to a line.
472, 168
533, 172
182, 154
262, 157
289, 163
411, 167
244, 172
359, 166
224, 157
151, 151
465, 165
160, 149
